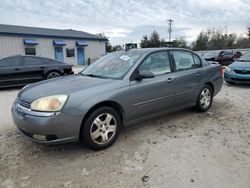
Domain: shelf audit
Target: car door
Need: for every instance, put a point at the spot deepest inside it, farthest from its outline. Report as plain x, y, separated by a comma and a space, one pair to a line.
187, 77
34, 68
152, 95
10, 71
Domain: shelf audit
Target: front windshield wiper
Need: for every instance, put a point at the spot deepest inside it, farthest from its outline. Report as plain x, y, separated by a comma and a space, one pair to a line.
92, 75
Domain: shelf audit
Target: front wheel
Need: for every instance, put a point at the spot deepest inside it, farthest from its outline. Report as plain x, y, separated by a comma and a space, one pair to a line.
101, 128
205, 98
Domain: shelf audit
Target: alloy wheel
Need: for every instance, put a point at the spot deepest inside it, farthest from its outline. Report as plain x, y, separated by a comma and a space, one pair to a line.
103, 128
53, 75
205, 98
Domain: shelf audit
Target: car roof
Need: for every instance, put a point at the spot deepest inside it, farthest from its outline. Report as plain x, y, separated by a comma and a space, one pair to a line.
158, 49
34, 57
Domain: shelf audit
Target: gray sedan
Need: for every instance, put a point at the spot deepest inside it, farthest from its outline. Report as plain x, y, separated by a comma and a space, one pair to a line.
119, 89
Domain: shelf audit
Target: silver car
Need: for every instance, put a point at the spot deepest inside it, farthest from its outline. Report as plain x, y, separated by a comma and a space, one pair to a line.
119, 89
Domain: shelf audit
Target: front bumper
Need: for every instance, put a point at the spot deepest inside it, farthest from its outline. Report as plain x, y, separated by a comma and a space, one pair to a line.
46, 128
236, 78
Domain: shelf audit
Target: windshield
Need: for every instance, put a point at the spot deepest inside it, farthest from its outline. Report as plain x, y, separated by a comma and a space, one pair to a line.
114, 65
245, 57
211, 54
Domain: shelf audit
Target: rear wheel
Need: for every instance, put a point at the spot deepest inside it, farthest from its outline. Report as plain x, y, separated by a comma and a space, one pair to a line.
53, 74
101, 128
205, 98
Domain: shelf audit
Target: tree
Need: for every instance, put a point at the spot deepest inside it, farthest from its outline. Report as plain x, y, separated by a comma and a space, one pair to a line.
108, 45
154, 41
201, 42
248, 32
180, 42
214, 39
117, 48
144, 42
242, 43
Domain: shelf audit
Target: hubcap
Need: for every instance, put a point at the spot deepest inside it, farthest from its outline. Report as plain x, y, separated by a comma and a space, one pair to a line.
53, 75
205, 98
103, 128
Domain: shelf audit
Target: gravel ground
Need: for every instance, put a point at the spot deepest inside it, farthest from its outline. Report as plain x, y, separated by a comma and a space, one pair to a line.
184, 149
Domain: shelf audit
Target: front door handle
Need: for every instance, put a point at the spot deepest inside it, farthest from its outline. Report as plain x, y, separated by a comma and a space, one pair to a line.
169, 80
197, 74
42, 67
16, 69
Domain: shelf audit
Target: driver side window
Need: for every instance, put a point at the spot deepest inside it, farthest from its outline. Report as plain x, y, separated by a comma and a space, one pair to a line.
157, 63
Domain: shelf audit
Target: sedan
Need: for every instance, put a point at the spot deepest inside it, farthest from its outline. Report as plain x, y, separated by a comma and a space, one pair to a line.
118, 90
21, 70
238, 71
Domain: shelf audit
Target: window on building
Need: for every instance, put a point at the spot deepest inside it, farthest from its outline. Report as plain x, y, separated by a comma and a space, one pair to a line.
30, 51
70, 52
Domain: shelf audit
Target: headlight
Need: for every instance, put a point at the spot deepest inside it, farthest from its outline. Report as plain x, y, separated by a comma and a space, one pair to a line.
49, 104
228, 69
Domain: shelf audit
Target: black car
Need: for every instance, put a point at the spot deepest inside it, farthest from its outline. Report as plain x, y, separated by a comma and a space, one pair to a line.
223, 57
21, 70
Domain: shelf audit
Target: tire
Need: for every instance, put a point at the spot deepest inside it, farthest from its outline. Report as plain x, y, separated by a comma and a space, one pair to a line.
101, 128
205, 98
53, 74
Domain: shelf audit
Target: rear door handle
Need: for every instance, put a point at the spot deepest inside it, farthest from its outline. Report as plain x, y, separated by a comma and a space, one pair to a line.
169, 80
42, 67
197, 74
16, 69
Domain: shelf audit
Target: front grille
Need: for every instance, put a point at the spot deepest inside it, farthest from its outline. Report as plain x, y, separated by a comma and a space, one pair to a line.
23, 103
242, 71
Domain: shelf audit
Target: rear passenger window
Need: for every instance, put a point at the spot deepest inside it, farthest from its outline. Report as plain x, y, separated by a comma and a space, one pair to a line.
185, 60
157, 63
32, 61
10, 62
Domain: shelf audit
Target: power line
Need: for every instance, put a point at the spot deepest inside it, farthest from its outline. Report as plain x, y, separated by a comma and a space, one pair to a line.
170, 23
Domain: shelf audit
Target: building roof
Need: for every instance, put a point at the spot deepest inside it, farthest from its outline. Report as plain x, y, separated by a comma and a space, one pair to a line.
15, 30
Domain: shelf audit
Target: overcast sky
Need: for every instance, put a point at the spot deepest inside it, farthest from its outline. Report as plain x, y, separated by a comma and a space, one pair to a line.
128, 20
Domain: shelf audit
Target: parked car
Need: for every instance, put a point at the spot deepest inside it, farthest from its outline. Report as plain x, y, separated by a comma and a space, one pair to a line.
238, 71
119, 89
211, 55
200, 53
21, 70
222, 57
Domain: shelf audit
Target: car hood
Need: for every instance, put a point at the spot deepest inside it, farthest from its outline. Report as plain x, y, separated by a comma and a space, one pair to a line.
240, 65
62, 85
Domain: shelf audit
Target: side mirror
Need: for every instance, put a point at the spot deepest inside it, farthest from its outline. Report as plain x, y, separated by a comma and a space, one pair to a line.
144, 74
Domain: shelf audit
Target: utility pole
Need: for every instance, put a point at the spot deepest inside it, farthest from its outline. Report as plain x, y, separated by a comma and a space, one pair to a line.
170, 23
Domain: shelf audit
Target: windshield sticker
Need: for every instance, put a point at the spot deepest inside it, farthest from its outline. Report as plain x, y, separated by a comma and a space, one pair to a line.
125, 58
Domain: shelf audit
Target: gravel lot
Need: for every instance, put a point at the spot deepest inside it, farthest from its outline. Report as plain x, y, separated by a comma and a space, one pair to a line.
184, 149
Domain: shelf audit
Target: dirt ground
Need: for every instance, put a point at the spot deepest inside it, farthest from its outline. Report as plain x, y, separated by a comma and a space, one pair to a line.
184, 149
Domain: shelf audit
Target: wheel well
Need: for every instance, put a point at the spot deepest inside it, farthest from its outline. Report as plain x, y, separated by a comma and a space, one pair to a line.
210, 84
111, 104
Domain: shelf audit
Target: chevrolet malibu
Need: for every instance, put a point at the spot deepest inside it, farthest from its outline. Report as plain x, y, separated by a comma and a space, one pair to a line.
119, 89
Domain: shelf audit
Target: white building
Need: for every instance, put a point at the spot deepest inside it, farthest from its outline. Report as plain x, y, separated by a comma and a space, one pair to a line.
70, 46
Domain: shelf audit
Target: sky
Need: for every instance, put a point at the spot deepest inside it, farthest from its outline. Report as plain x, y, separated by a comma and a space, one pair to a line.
126, 21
